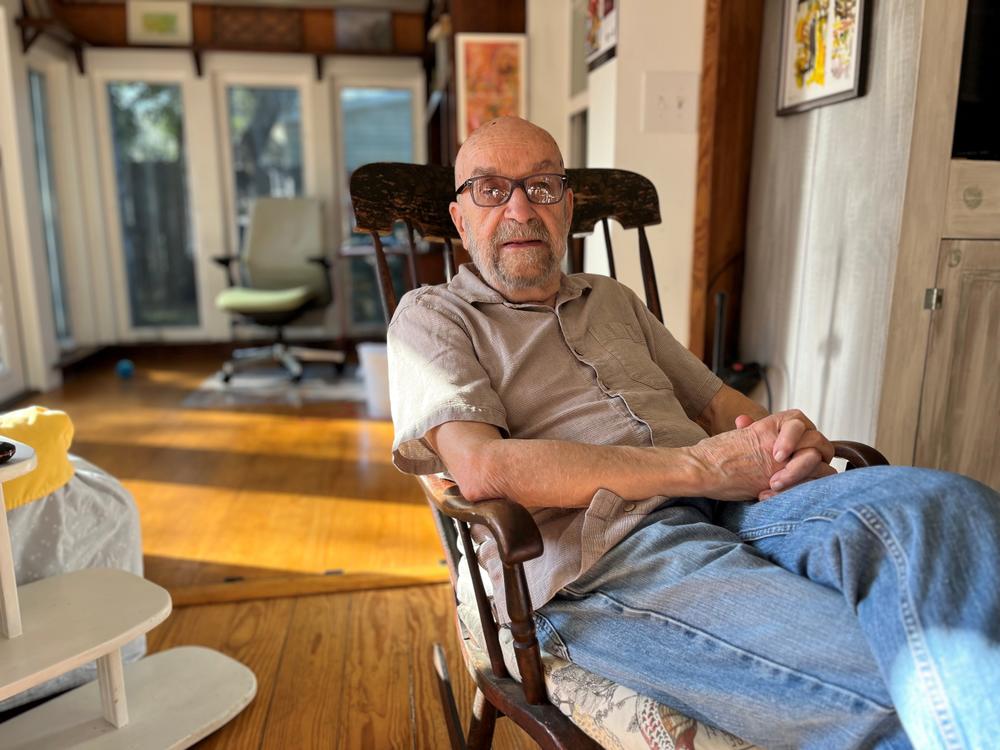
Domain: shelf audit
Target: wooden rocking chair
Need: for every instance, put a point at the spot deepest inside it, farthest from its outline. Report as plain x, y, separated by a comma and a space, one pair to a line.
419, 195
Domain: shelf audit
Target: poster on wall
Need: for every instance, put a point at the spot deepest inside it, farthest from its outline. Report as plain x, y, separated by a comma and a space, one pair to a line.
159, 22
823, 50
490, 80
601, 38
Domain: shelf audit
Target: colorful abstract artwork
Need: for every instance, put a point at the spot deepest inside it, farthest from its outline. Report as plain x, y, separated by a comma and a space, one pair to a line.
822, 53
490, 78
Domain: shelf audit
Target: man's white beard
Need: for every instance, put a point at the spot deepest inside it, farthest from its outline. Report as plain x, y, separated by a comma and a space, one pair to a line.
527, 268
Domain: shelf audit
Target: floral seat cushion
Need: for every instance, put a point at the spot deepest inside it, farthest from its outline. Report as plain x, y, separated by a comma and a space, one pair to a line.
615, 716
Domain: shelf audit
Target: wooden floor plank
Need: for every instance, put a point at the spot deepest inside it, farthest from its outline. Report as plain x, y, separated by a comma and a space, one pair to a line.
273, 497
251, 632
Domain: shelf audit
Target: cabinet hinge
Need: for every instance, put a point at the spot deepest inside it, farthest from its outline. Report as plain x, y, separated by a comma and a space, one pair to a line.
933, 297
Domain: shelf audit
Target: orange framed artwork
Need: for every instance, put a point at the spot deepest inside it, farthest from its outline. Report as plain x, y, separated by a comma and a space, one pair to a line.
490, 74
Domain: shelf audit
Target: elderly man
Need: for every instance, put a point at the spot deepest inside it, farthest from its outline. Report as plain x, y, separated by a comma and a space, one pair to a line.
697, 549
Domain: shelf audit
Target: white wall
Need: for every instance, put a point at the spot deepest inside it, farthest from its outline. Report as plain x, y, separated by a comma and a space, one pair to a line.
548, 29
653, 37
823, 228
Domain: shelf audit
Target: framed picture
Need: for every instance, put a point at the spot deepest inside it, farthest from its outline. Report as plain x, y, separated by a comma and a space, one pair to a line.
363, 30
823, 52
601, 36
490, 79
159, 22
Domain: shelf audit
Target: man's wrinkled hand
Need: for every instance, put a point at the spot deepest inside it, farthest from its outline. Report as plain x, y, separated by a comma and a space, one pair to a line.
739, 464
802, 449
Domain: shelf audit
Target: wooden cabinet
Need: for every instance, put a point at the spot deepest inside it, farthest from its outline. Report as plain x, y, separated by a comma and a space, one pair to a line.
959, 423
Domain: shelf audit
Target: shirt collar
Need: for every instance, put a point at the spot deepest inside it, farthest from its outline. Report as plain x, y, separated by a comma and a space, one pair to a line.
469, 285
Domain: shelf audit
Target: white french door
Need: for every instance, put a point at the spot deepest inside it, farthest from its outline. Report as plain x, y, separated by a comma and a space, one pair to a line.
12, 381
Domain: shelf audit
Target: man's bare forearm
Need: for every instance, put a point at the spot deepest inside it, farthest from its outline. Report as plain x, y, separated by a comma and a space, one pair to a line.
735, 465
551, 473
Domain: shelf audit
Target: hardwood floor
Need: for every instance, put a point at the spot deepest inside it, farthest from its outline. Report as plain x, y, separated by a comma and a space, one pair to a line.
289, 541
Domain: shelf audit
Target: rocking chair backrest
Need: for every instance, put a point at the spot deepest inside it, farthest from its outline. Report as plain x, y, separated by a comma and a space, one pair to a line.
384, 193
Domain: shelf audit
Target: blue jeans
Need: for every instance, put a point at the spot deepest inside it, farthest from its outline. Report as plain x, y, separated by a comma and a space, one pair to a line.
859, 610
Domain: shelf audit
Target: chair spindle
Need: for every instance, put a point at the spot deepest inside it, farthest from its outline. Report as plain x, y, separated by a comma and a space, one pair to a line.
649, 276
490, 634
609, 249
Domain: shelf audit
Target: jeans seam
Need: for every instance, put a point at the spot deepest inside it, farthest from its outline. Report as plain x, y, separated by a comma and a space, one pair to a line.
756, 657
542, 623
926, 668
778, 529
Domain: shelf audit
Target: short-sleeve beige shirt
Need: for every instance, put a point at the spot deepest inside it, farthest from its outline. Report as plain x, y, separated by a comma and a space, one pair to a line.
596, 368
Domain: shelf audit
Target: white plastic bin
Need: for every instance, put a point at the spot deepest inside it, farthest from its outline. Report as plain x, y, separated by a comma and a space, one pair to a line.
375, 369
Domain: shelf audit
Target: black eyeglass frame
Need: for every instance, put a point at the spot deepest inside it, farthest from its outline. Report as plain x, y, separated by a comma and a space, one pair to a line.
514, 185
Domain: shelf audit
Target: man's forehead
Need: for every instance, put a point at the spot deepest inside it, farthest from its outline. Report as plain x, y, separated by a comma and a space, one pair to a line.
545, 165
509, 147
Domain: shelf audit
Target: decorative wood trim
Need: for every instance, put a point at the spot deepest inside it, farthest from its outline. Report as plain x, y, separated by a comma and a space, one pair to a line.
257, 29
923, 221
973, 204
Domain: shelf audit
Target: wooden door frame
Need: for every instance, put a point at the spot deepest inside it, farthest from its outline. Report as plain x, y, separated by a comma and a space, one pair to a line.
727, 107
922, 226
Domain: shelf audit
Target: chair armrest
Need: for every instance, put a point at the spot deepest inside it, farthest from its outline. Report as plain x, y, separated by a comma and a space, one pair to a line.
518, 540
226, 261
510, 523
858, 455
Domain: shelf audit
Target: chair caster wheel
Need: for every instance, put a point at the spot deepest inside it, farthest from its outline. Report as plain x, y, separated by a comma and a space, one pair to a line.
297, 379
226, 377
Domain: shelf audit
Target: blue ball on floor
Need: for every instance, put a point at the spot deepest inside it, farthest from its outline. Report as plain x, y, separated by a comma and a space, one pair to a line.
125, 368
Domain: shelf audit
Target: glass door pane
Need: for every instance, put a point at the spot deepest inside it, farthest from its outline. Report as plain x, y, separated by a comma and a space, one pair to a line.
12, 381
377, 126
265, 132
151, 169
50, 208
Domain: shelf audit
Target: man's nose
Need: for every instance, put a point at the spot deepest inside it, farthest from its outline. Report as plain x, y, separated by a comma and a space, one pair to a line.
519, 208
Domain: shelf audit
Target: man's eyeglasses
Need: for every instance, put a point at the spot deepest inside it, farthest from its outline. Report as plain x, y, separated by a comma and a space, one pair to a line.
491, 190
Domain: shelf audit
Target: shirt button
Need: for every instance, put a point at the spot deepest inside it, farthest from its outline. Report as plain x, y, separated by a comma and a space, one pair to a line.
628, 507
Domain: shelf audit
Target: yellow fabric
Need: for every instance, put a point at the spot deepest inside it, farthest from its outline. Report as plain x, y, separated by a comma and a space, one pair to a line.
50, 433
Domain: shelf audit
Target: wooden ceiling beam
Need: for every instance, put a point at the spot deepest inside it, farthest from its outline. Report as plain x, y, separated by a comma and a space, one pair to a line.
219, 28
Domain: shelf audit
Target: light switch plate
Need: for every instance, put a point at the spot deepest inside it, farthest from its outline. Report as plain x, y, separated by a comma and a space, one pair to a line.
669, 102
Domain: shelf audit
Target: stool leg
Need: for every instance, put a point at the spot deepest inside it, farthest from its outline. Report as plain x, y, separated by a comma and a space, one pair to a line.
111, 680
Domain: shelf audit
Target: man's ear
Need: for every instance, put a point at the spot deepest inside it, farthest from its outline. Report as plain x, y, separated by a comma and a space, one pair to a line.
569, 208
458, 220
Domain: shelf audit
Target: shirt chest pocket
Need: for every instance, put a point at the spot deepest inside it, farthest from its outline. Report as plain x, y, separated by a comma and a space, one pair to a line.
625, 357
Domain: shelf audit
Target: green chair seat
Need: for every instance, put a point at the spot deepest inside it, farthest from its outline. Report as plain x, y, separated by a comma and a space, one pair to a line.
245, 301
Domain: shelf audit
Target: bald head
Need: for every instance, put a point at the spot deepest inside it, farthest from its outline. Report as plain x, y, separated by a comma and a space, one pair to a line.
487, 149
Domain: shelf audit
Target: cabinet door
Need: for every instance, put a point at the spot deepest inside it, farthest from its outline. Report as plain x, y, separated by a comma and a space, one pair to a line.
959, 427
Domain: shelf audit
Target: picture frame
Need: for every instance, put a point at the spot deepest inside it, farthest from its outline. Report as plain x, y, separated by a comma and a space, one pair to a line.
362, 29
159, 22
601, 35
824, 51
490, 78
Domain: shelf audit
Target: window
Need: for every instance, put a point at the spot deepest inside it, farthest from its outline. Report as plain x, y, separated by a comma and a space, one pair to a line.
377, 125
147, 125
49, 205
265, 133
